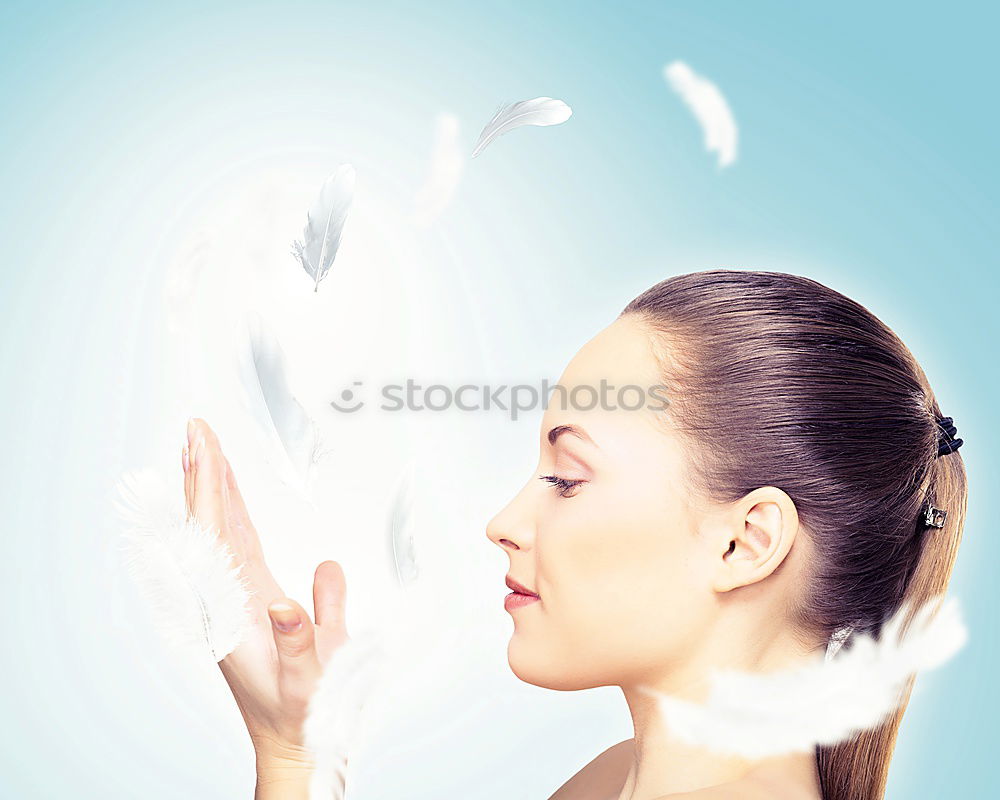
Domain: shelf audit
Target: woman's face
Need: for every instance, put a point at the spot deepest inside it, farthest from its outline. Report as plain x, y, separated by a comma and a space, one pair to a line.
623, 578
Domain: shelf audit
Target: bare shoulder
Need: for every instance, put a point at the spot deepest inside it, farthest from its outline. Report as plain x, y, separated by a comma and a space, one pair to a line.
603, 777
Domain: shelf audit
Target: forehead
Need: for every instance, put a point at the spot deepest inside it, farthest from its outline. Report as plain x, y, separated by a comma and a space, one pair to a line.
622, 354
607, 385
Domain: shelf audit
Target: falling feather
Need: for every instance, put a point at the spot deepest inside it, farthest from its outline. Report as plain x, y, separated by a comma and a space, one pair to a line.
443, 174
182, 280
760, 715
265, 379
540, 111
358, 693
332, 728
709, 107
324, 225
401, 528
183, 569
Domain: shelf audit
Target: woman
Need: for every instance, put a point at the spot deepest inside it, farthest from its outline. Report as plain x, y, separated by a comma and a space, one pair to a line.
775, 499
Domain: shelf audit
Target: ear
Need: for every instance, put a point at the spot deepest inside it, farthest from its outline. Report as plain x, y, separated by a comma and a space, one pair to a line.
758, 533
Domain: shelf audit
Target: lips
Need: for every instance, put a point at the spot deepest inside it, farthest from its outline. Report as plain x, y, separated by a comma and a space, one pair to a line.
517, 587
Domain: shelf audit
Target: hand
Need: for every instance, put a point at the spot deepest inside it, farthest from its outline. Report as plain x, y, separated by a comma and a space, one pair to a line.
273, 672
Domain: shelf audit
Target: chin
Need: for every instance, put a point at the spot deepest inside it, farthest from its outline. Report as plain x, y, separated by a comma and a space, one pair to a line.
538, 668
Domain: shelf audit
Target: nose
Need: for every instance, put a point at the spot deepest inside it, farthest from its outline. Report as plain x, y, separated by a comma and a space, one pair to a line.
513, 527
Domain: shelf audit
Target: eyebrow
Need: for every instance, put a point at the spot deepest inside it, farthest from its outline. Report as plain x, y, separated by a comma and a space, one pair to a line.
559, 430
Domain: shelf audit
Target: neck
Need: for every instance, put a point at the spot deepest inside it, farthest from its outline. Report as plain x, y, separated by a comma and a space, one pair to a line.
664, 764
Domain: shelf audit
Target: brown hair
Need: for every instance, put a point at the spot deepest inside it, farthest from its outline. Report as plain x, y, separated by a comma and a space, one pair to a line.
781, 381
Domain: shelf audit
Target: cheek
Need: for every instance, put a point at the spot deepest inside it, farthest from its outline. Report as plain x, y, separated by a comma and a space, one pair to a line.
617, 578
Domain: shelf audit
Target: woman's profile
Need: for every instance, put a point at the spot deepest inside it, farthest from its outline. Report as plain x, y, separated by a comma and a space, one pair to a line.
776, 498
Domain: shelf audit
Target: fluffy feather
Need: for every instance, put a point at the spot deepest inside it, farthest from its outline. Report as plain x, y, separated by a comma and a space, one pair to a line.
709, 107
359, 692
540, 111
185, 572
401, 528
325, 224
332, 729
265, 380
759, 715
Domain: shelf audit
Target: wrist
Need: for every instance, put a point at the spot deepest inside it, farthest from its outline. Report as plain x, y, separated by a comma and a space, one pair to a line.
280, 777
281, 762
281, 786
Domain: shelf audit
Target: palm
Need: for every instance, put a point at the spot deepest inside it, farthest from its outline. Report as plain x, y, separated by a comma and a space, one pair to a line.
272, 675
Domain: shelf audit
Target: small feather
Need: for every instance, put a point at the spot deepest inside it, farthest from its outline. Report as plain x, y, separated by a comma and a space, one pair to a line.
709, 107
320, 241
443, 174
185, 572
332, 727
357, 694
401, 528
265, 380
825, 702
540, 111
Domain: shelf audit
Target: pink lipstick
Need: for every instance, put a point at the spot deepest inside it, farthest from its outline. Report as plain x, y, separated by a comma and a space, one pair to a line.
521, 596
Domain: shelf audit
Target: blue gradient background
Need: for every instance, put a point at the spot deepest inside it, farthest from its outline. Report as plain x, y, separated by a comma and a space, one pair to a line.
866, 160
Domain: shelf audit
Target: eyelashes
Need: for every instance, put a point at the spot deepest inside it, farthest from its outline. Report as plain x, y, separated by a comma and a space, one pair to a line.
564, 486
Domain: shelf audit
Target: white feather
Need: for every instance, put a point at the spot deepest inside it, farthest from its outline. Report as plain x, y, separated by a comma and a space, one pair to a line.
358, 694
185, 572
401, 528
540, 111
709, 107
443, 173
333, 726
759, 715
325, 224
182, 279
265, 379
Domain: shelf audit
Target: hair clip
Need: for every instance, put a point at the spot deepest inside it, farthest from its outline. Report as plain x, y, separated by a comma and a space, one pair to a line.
934, 517
947, 443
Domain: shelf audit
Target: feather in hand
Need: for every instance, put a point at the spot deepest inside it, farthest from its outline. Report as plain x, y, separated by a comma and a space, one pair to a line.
184, 570
759, 715
324, 224
265, 379
540, 111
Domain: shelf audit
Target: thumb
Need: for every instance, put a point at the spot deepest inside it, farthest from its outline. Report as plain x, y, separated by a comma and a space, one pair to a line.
295, 641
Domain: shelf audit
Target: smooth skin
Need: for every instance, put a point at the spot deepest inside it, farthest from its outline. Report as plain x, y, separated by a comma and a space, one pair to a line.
641, 583
644, 583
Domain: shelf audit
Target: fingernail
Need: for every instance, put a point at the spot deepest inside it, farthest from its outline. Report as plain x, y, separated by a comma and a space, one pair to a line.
285, 618
184, 459
190, 428
199, 449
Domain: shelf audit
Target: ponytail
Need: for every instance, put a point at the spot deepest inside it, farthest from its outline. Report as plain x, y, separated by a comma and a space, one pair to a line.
782, 381
858, 768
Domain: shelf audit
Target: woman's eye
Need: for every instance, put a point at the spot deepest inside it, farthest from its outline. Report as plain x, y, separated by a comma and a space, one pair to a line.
564, 486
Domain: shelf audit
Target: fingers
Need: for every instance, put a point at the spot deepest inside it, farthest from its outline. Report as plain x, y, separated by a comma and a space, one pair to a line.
295, 641
210, 498
239, 518
188, 472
